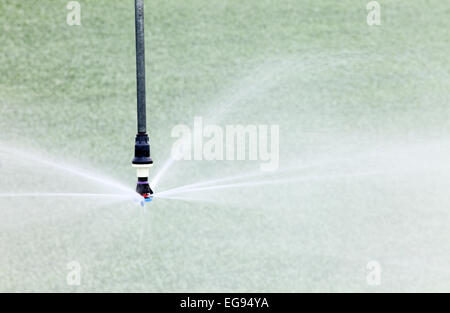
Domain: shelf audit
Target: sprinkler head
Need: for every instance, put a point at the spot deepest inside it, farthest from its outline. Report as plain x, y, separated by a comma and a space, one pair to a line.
142, 162
143, 188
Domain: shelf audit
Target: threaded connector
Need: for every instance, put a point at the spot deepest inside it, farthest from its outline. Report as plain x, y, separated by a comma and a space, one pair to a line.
142, 150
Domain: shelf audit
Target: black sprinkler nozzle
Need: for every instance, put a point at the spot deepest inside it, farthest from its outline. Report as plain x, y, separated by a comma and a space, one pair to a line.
143, 188
142, 162
142, 150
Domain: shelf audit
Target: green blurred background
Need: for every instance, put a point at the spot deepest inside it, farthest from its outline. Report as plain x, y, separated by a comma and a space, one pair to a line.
336, 86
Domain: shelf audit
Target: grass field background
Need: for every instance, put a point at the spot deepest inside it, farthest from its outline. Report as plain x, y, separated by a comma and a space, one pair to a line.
351, 97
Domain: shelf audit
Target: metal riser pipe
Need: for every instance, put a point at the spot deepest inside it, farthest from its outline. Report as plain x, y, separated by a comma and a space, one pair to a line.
140, 66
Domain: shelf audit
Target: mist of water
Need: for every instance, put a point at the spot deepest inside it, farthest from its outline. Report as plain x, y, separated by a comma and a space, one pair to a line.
21, 156
418, 166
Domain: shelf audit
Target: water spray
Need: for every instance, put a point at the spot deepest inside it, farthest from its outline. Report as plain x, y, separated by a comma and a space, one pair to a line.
142, 161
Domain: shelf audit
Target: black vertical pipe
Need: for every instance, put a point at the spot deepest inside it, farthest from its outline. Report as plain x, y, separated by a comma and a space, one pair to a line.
142, 146
140, 66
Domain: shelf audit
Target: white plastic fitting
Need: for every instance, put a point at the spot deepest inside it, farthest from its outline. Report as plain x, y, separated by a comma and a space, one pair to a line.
142, 170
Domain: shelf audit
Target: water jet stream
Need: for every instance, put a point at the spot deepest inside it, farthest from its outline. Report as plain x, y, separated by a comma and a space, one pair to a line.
75, 171
62, 194
268, 182
258, 174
